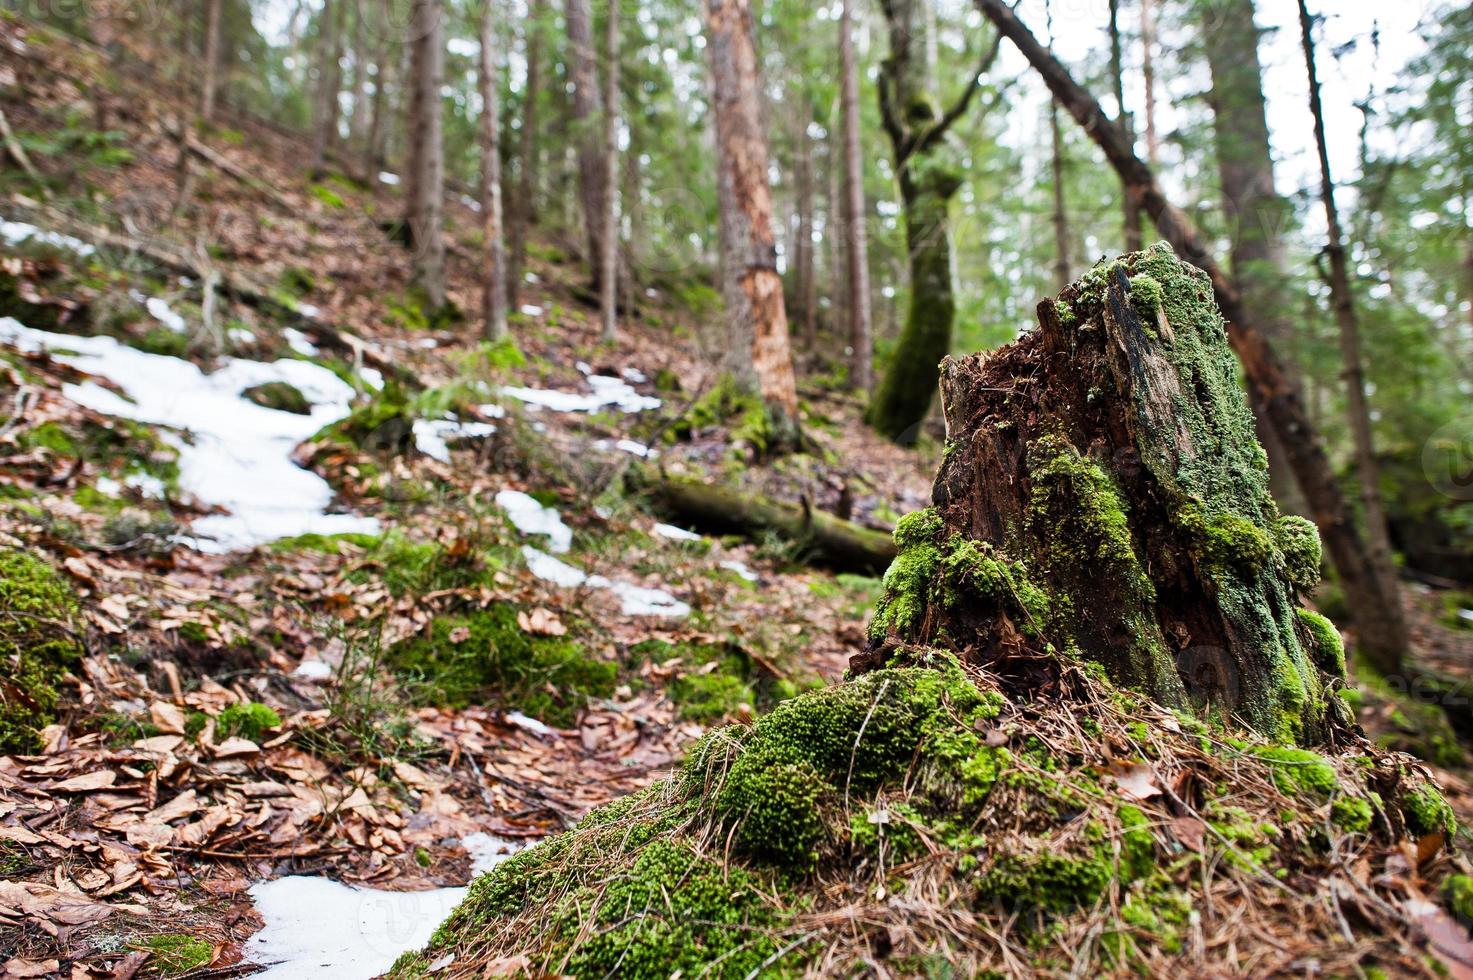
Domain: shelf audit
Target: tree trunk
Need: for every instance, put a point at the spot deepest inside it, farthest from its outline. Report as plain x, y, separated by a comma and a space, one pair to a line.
861, 329
927, 184
1106, 494
583, 72
823, 538
1346, 321
373, 148
757, 323
1148, 72
834, 223
804, 267
358, 117
493, 284
1061, 215
608, 277
1256, 215
212, 62
1130, 214
527, 155
329, 79
426, 177
1380, 626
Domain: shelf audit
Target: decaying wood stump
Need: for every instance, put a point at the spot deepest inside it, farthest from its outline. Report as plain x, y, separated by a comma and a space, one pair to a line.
1103, 497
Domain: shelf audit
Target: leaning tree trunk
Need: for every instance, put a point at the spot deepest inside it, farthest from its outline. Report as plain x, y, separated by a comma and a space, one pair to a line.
1103, 496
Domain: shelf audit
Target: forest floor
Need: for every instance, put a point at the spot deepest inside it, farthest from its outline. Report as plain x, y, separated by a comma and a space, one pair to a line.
386, 615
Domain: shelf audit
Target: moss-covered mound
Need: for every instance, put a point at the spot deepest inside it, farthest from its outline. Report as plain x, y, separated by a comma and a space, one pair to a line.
919, 819
38, 645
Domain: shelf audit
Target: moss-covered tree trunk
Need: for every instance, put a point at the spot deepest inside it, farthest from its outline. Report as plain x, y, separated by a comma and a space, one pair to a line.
1103, 496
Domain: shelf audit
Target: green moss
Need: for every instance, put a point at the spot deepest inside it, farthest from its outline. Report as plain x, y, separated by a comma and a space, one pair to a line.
279, 395
710, 697
1352, 814
407, 567
250, 720
1298, 771
1326, 645
981, 771
460, 660
38, 646
1047, 880
975, 569
1227, 541
908, 580
1457, 892
174, 953
327, 544
1146, 296
1427, 812
1299, 541
1137, 844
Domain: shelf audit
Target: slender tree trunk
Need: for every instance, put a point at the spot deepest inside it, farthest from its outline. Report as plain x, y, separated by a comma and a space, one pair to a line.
609, 259
212, 62
329, 79
804, 266
861, 329
834, 225
927, 184
1061, 216
426, 177
1380, 625
1130, 214
583, 71
1256, 215
358, 118
757, 323
493, 281
527, 156
1346, 321
373, 148
1148, 71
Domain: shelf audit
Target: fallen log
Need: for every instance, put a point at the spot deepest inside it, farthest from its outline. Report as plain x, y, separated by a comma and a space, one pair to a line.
823, 538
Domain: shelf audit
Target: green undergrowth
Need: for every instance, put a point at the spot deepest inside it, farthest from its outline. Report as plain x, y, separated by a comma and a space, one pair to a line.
923, 785
484, 655
39, 646
173, 953
712, 681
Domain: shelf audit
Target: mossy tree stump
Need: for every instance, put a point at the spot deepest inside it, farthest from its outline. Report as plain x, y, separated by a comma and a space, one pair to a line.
1103, 496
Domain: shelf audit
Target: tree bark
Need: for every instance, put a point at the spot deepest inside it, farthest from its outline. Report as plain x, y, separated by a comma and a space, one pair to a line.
1061, 215
716, 509
358, 117
834, 223
1130, 214
608, 277
329, 80
1380, 625
426, 177
861, 328
1347, 323
928, 180
759, 355
1105, 493
212, 61
1148, 73
373, 148
527, 155
583, 72
803, 250
1256, 215
493, 285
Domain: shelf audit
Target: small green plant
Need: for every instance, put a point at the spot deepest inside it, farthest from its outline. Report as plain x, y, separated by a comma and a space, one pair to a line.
173, 953
250, 720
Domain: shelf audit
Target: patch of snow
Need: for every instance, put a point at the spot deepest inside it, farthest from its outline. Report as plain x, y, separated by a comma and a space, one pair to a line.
533, 278
239, 453
427, 343
299, 342
107, 485
607, 391
623, 445
530, 309
147, 484
15, 232
316, 927
528, 724
550, 569
372, 377
531, 517
634, 600
584, 368
1466, 615
385, 177
313, 670
676, 533
241, 336
740, 569
633, 375
309, 311
492, 411
159, 309
432, 436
